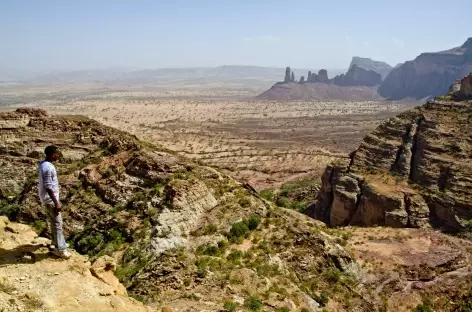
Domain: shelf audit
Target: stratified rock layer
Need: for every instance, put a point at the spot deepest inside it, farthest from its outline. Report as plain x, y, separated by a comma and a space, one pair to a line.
414, 170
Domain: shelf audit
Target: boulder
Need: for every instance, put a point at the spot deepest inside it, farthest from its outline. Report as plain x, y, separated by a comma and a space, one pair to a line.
103, 268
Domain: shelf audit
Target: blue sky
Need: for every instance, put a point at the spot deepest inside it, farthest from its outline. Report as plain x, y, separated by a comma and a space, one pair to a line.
46, 34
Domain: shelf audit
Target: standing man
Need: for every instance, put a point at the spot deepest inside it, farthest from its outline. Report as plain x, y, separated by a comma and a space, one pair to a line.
49, 195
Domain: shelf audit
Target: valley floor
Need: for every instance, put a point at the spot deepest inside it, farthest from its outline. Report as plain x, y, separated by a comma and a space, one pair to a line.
265, 143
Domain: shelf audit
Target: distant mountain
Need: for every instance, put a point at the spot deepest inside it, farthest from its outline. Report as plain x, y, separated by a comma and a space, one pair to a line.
430, 74
381, 68
317, 91
227, 73
358, 76
357, 84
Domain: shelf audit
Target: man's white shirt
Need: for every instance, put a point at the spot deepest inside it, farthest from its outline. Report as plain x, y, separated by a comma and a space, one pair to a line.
47, 180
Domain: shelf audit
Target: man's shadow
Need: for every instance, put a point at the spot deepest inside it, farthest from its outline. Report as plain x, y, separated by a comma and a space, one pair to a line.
24, 254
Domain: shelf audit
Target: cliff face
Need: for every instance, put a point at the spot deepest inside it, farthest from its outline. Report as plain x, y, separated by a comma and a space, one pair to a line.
412, 171
381, 68
430, 74
358, 76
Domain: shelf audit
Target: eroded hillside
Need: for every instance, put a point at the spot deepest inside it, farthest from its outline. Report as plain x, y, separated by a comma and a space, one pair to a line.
186, 237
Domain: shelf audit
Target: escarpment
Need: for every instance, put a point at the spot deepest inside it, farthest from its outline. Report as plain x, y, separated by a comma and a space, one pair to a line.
414, 170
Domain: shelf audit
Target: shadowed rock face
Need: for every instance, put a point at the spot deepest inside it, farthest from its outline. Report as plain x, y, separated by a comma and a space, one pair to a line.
358, 76
381, 68
430, 74
413, 171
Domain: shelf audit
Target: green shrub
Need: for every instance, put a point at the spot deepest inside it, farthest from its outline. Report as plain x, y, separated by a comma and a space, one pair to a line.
253, 222
284, 309
210, 229
332, 275
234, 255
9, 210
208, 250
222, 245
253, 303
267, 194
425, 306
39, 226
230, 306
239, 230
322, 299
282, 201
89, 243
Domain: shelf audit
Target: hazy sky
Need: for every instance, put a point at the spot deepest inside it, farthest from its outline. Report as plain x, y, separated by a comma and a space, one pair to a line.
83, 34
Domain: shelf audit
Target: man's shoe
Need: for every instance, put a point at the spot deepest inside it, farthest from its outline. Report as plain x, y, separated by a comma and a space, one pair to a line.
52, 247
63, 254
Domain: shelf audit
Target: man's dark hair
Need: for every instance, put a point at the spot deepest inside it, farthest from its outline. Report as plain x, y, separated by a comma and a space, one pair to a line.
50, 150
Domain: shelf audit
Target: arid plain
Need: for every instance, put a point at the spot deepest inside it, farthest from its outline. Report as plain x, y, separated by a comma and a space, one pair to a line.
265, 143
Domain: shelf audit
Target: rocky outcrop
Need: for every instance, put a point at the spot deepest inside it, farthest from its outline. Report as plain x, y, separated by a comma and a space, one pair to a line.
412, 171
430, 74
358, 76
381, 68
32, 279
287, 75
318, 91
465, 91
356, 85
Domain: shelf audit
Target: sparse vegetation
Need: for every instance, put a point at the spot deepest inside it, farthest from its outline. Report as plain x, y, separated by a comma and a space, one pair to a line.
253, 303
230, 306
425, 306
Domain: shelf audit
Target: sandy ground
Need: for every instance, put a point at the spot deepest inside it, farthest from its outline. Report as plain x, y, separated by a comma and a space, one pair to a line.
261, 142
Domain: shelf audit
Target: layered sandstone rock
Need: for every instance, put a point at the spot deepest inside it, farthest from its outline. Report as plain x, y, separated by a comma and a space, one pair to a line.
414, 170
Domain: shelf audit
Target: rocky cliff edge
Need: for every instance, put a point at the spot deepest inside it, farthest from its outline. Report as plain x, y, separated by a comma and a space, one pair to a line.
414, 170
